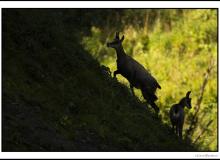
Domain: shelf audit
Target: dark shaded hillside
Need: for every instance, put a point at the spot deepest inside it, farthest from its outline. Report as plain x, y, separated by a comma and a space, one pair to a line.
56, 97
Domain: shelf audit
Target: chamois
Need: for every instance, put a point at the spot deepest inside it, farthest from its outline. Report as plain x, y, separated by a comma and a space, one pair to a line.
135, 73
177, 114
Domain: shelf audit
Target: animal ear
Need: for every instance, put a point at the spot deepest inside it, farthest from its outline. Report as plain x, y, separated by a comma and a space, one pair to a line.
122, 38
117, 35
188, 93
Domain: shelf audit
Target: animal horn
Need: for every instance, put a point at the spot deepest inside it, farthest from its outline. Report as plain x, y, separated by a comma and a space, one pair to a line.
188, 93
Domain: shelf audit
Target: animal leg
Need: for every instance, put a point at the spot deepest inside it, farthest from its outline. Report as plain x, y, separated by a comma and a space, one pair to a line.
180, 131
132, 89
150, 99
177, 128
173, 129
116, 72
157, 110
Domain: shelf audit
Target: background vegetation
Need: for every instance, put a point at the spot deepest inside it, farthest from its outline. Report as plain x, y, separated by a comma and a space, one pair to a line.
179, 47
58, 94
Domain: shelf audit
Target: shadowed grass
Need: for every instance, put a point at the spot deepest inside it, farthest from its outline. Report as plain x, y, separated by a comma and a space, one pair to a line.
56, 97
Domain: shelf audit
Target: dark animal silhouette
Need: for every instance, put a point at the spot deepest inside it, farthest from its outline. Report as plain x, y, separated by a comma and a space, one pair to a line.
177, 114
135, 73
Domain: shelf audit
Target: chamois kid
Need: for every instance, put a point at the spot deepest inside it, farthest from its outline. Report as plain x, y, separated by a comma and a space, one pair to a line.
135, 73
177, 114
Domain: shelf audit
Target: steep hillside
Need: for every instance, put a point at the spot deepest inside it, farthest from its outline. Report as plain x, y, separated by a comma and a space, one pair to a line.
56, 97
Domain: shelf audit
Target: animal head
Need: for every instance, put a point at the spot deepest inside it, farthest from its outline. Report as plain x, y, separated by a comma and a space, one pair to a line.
188, 100
117, 42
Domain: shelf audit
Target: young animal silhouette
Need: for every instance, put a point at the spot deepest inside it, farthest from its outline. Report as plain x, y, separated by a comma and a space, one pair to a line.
177, 114
135, 73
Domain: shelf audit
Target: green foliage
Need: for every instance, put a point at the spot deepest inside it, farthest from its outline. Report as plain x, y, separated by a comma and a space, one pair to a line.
177, 47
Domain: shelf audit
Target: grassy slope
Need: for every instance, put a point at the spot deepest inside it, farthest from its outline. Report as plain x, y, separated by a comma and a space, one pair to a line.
56, 97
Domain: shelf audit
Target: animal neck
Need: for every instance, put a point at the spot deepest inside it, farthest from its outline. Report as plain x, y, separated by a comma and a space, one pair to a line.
182, 103
120, 52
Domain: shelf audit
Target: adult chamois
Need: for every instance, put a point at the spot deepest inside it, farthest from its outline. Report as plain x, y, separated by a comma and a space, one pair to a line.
135, 73
177, 114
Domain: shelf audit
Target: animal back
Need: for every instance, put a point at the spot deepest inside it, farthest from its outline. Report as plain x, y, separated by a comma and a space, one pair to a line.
146, 78
176, 113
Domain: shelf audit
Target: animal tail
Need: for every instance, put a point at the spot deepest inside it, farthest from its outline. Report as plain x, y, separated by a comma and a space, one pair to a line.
158, 86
